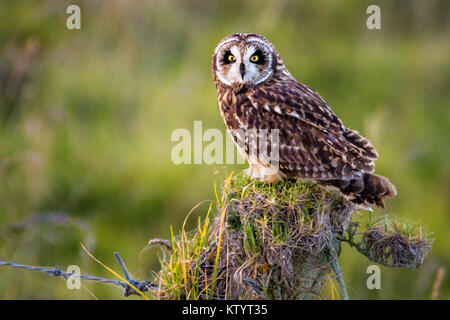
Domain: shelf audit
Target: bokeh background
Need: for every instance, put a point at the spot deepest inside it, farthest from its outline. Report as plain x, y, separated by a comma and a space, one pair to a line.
86, 118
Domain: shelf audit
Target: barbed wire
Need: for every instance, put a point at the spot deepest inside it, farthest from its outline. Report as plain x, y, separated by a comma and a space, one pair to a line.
142, 286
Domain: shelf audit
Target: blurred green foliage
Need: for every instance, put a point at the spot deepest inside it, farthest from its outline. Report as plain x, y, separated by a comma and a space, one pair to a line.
86, 117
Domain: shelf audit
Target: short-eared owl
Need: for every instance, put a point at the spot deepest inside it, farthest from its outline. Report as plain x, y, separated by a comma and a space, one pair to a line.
255, 91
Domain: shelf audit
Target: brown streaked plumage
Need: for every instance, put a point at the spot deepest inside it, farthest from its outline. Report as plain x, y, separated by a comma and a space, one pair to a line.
259, 93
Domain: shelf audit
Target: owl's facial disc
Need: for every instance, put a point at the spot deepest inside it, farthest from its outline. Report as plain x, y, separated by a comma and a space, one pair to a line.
244, 61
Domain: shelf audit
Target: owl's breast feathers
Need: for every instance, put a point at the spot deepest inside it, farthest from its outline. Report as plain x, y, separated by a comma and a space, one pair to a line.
313, 142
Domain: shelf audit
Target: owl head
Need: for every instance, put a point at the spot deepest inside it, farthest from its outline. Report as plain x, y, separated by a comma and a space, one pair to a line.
243, 58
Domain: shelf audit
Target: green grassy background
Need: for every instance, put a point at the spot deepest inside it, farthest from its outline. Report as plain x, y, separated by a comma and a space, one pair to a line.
86, 118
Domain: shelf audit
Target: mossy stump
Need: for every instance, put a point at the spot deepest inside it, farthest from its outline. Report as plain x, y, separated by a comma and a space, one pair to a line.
278, 241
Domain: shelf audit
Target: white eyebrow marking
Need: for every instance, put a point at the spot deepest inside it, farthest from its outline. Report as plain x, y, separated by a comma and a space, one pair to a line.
254, 39
220, 45
235, 51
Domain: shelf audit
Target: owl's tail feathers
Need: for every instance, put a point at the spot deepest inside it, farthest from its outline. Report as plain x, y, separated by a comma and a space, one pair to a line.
369, 189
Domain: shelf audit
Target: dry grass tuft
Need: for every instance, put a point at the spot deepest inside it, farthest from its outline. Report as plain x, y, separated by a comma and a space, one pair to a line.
391, 242
278, 242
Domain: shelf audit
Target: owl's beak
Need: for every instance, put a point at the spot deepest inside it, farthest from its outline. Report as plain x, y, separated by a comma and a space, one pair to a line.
242, 68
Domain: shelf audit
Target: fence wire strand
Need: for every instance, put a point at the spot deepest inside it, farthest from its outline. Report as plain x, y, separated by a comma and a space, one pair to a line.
143, 286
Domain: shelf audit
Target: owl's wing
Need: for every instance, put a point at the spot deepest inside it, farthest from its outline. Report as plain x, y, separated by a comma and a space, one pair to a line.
313, 140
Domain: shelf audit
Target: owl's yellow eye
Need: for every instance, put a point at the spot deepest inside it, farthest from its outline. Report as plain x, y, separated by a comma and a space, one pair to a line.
228, 58
254, 58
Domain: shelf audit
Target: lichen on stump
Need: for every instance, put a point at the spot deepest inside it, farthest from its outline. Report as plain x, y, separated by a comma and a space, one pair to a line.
276, 241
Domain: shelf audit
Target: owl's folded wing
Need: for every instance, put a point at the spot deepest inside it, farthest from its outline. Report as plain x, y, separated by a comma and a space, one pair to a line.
312, 134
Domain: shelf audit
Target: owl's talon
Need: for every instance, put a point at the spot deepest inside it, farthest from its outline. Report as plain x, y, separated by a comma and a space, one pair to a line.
272, 179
